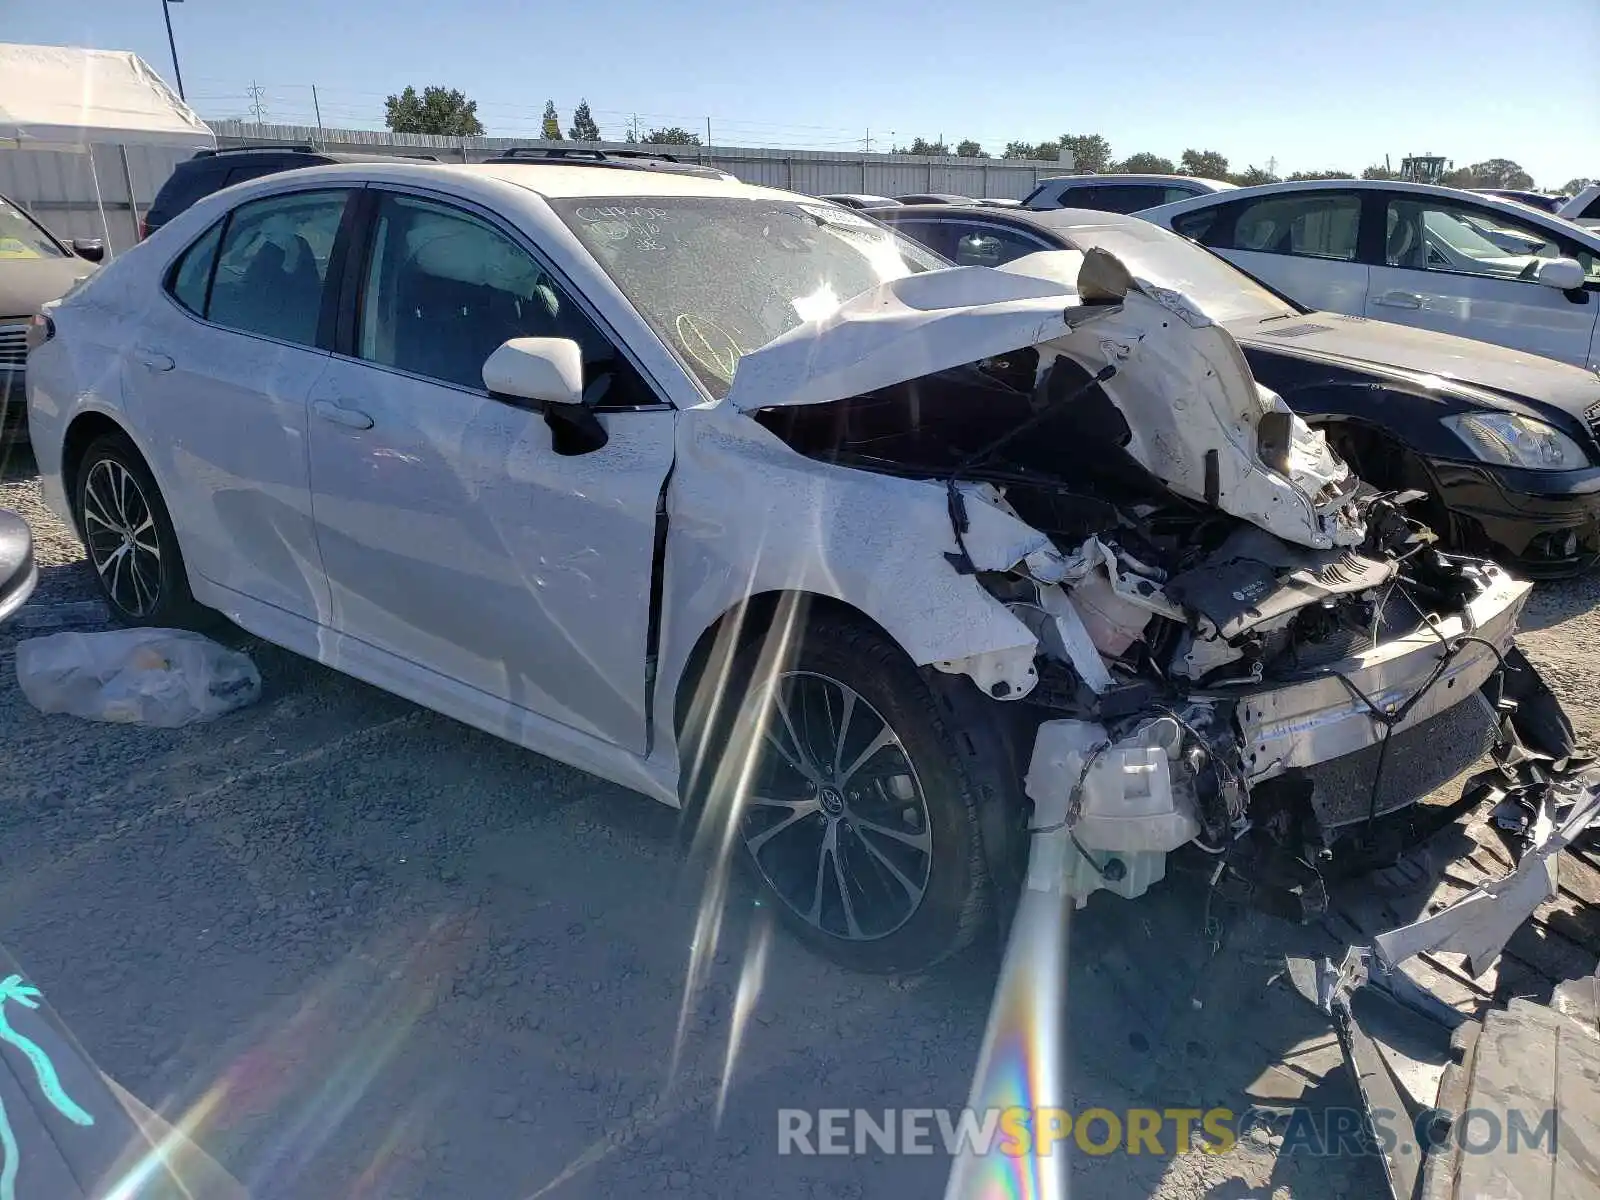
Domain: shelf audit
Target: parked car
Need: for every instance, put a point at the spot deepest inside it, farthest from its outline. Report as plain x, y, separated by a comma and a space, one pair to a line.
1543, 201
1119, 193
1584, 208
18, 572
35, 267
861, 201
212, 170
1413, 254
998, 202
886, 571
935, 198
1504, 443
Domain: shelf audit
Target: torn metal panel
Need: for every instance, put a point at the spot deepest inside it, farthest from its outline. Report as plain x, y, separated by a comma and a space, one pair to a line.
750, 516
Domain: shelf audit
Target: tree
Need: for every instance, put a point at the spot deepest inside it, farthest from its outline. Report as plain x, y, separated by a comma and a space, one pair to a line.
1301, 175
1145, 163
673, 135
970, 149
1018, 150
550, 129
1573, 186
1252, 175
583, 127
925, 147
1499, 173
1090, 151
1207, 164
435, 111
1377, 172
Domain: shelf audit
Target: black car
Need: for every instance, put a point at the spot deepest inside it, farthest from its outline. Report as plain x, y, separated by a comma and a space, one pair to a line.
212, 170
1506, 445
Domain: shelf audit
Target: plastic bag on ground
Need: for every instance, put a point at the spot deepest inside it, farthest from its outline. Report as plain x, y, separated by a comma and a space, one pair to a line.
161, 677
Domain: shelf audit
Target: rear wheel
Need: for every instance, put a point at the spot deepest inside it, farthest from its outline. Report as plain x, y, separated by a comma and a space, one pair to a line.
856, 812
129, 537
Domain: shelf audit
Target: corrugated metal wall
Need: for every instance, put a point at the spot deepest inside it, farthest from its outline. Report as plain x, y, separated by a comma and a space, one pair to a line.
59, 189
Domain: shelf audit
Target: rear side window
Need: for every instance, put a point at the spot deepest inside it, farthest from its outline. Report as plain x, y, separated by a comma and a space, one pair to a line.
182, 189
1321, 225
1197, 225
1593, 211
191, 279
270, 267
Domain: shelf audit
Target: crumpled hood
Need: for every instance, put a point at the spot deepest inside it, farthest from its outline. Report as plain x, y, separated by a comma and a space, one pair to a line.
28, 283
1196, 418
902, 330
1360, 342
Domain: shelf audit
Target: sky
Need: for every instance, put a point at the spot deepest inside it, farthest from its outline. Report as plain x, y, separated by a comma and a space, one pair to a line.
1294, 86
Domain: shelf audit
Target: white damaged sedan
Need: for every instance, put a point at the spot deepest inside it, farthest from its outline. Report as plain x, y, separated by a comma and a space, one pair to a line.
884, 570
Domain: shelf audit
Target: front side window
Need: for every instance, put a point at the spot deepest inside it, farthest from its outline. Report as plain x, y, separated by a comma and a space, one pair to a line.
717, 277
273, 264
21, 238
1425, 234
991, 246
444, 289
1320, 225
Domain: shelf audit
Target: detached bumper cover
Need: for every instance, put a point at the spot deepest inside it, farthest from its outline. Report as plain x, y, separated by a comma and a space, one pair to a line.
1477, 926
1310, 722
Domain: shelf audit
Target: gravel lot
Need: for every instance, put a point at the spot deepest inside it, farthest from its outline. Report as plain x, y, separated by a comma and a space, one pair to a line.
384, 955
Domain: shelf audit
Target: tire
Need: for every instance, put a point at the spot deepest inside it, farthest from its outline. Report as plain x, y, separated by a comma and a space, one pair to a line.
899, 836
129, 538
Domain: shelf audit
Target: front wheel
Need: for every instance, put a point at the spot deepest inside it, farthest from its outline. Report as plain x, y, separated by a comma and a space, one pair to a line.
129, 537
852, 803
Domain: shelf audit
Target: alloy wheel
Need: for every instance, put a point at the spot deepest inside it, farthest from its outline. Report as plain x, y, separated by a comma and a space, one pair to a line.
123, 543
835, 816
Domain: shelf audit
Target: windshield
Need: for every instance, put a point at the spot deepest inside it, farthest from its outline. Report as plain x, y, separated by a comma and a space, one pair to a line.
21, 238
1222, 292
718, 277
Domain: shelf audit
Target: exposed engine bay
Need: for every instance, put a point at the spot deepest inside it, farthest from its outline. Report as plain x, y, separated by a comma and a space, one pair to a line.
1221, 604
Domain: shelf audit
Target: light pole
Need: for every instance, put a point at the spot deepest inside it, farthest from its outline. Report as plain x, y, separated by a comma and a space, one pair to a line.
172, 45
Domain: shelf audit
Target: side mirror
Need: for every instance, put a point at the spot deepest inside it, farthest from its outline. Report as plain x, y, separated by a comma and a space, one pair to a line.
89, 249
1564, 274
546, 374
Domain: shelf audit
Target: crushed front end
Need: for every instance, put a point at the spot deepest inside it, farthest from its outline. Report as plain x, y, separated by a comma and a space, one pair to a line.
1238, 645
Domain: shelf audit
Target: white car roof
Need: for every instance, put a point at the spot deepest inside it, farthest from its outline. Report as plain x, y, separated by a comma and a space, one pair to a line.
1113, 180
575, 182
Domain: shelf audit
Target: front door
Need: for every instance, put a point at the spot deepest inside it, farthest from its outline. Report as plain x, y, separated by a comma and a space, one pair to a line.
452, 535
219, 379
1456, 267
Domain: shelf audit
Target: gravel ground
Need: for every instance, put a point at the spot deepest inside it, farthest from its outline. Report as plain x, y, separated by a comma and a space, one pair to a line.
376, 953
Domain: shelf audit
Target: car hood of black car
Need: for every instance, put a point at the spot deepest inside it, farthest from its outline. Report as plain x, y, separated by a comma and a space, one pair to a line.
1356, 342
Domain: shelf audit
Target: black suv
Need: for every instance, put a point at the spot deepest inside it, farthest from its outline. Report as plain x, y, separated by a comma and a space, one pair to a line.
212, 170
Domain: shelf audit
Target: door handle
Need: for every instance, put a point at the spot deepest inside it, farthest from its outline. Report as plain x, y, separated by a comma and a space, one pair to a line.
154, 360
351, 418
1399, 300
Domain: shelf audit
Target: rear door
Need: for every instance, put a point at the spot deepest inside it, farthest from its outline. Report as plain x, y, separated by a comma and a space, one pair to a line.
1303, 243
453, 536
218, 379
1463, 268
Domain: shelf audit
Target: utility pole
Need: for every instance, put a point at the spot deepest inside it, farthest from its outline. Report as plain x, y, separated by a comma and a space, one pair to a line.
258, 109
1272, 165
708, 131
869, 139
316, 107
173, 45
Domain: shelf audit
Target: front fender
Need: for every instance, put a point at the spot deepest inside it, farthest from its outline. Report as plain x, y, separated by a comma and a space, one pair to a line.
749, 516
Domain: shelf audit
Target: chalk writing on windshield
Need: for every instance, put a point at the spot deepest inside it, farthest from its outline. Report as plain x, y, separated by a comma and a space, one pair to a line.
615, 223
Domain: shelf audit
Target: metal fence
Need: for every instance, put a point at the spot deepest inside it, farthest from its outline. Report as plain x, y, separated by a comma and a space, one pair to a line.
59, 188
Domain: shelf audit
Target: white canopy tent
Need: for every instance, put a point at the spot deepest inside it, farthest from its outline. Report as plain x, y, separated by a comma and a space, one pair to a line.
71, 99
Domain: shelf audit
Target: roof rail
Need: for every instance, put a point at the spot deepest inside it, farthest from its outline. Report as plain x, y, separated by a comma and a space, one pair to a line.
301, 147
584, 153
